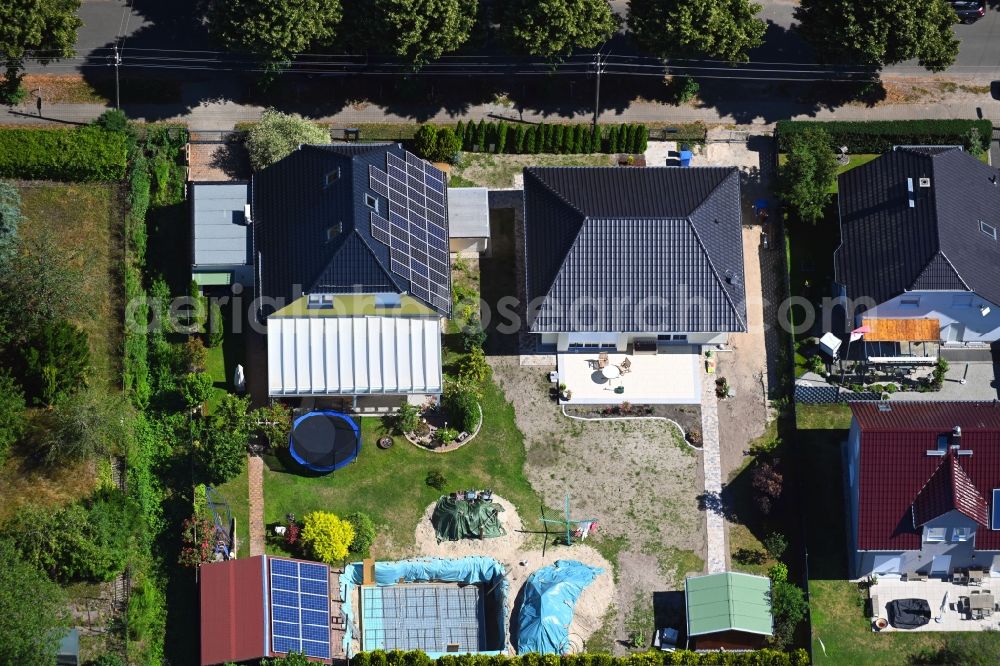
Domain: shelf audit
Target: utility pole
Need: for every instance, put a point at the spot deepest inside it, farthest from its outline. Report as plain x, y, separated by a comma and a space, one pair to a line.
118, 61
597, 88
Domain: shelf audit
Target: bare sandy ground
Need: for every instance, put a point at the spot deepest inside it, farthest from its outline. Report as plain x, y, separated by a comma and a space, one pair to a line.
520, 559
637, 478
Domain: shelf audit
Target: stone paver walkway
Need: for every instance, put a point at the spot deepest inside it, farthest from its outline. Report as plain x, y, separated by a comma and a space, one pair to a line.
255, 470
715, 533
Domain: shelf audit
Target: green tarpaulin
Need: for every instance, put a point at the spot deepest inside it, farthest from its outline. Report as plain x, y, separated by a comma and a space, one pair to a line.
455, 519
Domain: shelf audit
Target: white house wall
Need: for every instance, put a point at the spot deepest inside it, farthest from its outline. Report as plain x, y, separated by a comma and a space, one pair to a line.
949, 307
621, 341
353, 355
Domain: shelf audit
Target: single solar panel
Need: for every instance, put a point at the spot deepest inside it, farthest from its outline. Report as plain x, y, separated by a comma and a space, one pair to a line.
996, 513
300, 608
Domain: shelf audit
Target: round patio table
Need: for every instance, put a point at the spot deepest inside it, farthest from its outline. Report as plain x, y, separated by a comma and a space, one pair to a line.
611, 372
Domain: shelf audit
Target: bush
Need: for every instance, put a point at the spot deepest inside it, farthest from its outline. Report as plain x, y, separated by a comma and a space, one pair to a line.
407, 418
879, 136
80, 155
435, 479
195, 388
473, 336
448, 146
364, 533
57, 362
425, 142
86, 425
278, 134
197, 542
778, 573
768, 484
642, 625
445, 436
789, 607
326, 537
112, 120
13, 419
473, 368
275, 423
612, 140
216, 324
502, 130
462, 409
682, 89
195, 354
775, 544
10, 216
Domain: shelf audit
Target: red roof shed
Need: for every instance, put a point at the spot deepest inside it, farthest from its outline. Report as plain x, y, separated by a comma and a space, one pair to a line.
232, 611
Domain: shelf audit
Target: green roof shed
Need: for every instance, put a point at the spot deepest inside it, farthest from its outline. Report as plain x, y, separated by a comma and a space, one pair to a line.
729, 601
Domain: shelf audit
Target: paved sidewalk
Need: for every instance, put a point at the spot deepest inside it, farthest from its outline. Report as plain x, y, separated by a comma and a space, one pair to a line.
715, 533
255, 468
224, 114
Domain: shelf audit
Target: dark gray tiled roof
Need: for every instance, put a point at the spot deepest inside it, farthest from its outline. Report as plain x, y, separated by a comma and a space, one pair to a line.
293, 210
643, 250
888, 248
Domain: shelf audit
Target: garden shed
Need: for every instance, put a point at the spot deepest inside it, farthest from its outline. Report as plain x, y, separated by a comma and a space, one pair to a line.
728, 611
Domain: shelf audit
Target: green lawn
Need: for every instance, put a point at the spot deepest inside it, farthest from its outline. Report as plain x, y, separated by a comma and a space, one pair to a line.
390, 484
236, 493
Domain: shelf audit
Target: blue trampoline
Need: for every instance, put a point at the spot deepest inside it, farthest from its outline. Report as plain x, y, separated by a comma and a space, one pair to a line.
324, 441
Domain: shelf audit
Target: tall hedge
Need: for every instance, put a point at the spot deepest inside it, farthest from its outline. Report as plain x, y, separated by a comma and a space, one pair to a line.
566, 139
77, 155
879, 136
765, 657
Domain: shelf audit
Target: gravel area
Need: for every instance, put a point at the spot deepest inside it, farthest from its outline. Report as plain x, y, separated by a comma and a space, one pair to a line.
638, 479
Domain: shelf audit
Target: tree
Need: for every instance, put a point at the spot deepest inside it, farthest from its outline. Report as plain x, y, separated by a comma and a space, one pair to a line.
275, 423
364, 533
425, 141
56, 361
10, 217
881, 33
407, 418
32, 611
473, 369
553, 29
469, 137
725, 29
449, 143
195, 354
326, 536
220, 451
481, 136
808, 174
196, 387
768, 484
12, 413
788, 607
84, 426
424, 30
462, 408
276, 30
278, 134
47, 28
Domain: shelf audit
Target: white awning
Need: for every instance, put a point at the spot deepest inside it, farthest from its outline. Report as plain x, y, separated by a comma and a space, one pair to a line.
353, 355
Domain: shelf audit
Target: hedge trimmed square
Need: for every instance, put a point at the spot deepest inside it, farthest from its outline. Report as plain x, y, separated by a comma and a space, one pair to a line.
879, 136
85, 154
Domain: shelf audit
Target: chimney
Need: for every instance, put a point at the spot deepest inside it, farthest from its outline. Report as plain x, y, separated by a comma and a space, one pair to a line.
956, 437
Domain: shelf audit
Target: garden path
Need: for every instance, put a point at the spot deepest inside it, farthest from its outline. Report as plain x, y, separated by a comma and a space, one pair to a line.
715, 535
255, 466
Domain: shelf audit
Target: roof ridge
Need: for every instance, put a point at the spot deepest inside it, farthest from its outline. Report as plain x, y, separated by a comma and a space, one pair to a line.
352, 234
559, 195
701, 244
957, 472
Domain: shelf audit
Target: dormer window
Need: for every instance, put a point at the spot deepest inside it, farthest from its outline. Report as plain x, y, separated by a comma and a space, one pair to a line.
331, 177
934, 534
317, 301
961, 534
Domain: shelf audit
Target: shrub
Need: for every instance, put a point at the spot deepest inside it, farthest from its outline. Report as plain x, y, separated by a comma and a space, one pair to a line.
435, 479
682, 88
469, 137
278, 134
197, 541
57, 362
462, 409
216, 324
778, 573
530, 140
460, 133
10, 216
84, 426
557, 138
520, 132
473, 335
13, 419
112, 120
768, 484
407, 418
425, 142
326, 537
481, 144
789, 607
879, 136
473, 368
275, 423
364, 533
448, 146
502, 130
80, 155
195, 388
35, 610
445, 436
612, 141
775, 544
195, 354
641, 140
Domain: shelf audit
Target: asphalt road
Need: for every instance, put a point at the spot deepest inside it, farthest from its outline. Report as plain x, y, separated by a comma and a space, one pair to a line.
175, 25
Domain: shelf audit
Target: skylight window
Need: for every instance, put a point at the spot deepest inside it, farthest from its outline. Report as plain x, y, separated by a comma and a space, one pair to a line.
995, 523
988, 229
371, 202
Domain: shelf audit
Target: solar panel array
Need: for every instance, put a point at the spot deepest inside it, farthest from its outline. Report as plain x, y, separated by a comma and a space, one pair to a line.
300, 608
422, 617
415, 226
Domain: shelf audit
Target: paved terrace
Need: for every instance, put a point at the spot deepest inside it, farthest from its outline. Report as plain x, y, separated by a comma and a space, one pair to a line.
933, 590
669, 378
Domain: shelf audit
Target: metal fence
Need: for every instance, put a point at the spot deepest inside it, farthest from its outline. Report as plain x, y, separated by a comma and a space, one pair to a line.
830, 395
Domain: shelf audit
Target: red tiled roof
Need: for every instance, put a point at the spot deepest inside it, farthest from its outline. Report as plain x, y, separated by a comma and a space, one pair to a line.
232, 611
894, 468
949, 489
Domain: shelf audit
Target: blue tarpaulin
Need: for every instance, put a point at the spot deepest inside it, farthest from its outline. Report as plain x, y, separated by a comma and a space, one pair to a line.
550, 596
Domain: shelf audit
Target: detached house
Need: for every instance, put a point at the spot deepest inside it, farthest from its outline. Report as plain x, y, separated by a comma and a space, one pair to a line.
923, 487
643, 261
919, 246
351, 254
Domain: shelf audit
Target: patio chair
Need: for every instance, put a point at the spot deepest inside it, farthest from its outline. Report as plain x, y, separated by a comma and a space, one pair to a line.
626, 366
602, 360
